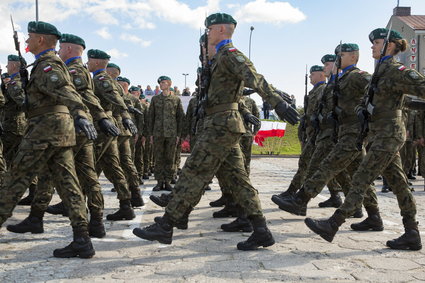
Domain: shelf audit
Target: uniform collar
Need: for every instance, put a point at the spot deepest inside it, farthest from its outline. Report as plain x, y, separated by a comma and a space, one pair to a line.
44, 52
13, 75
346, 69
319, 83
222, 43
67, 62
98, 71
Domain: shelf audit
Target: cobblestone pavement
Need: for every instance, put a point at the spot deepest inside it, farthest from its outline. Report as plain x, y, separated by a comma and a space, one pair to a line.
205, 254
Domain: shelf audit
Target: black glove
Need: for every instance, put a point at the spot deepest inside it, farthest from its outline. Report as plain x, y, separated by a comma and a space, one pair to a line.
129, 125
286, 112
108, 127
84, 125
284, 96
248, 91
362, 115
251, 119
133, 110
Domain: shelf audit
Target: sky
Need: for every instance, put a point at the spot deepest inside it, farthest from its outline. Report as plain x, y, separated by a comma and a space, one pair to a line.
150, 38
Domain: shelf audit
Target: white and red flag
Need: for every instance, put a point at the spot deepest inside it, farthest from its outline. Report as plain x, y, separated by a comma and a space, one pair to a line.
269, 129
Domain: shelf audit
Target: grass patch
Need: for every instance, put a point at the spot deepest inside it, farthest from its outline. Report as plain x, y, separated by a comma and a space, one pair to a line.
288, 145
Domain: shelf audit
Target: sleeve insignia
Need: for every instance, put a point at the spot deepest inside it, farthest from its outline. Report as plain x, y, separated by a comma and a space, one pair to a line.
78, 81
47, 69
54, 78
105, 84
72, 71
232, 49
101, 78
401, 68
414, 75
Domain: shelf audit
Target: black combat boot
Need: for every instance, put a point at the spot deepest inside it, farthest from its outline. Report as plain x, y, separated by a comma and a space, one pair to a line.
358, 213
174, 180
161, 231
372, 222
410, 240
162, 200
262, 237
385, 187
207, 188
239, 224
167, 186
296, 204
30, 224
286, 194
145, 176
220, 202
229, 210
57, 209
410, 176
81, 247
159, 186
182, 224
326, 228
28, 199
96, 227
333, 201
124, 213
136, 199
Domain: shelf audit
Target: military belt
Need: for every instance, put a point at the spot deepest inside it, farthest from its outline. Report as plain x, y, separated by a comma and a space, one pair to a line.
391, 114
48, 110
221, 108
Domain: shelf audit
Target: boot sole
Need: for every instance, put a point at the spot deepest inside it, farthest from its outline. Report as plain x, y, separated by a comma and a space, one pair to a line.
266, 244
278, 201
238, 230
121, 219
225, 216
405, 247
139, 233
157, 202
312, 227
23, 232
377, 229
88, 254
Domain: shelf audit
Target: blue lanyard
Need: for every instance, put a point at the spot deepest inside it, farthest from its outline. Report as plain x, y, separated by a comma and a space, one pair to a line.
385, 58
43, 52
13, 75
221, 43
72, 59
319, 83
346, 69
98, 71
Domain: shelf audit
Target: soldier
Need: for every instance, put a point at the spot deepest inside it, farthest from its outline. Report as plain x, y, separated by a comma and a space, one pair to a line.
49, 137
218, 146
106, 147
165, 127
139, 141
2, 161
345, 155
386, 137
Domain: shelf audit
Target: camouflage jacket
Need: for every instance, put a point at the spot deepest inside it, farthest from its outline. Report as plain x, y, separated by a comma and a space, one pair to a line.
352, 86
324, 112
49, 89
138, 119
145, 110
313, 99
166, 116
190, 118
231, 71
250, 105
13, 118
395, 80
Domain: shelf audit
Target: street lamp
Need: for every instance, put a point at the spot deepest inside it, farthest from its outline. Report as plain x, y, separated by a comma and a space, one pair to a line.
185, 75
250, 35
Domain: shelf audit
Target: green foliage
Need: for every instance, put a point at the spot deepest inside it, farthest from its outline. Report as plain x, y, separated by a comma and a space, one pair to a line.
288, 145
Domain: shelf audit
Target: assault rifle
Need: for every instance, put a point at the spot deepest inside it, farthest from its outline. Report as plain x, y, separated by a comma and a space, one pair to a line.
336, 92
23, 72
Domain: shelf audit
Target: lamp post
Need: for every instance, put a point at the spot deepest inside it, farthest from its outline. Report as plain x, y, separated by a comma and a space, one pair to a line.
185, 75
250, 35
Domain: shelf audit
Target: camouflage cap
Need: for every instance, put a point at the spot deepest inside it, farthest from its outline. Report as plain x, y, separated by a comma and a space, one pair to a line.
71, 38
316, 68
112, 65
123, 79
346, 47
163, 78
15, 58
328, 58
97, 54
43, 28
380, 33
219, 18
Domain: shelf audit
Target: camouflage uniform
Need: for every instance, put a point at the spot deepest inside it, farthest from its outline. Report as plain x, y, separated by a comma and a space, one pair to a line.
165, 125
386, 136
147, 154
2, 161
407, 152
106, 147
190, 121
218, 145
248, 137
136, 142
48, 140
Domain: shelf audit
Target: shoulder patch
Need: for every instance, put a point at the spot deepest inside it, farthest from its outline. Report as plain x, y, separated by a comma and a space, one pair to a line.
47, 68
78, 81
401, 68
240, 58
54, 78
414, 75
232, 49
105, 84
72, 71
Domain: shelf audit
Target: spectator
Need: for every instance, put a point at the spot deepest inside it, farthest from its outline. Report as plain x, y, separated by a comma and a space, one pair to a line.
149, 91
157, 90
177, 91
186, 92
266, 109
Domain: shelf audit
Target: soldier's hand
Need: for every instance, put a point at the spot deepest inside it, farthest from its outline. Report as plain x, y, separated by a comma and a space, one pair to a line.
247, 91
129, 125
251, 119
133, 110
284, 95
85, 126
108, 127
286, 112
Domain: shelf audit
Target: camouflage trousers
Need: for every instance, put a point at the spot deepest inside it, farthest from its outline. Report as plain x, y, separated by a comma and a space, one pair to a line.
147, 157
127, 164
108, 161
139, 150
84, 166
192, 142
165, 151
58, 162
177, 158
2, 163
11, 143
344, 155
388, 163
246, 147
217, 151
407, 155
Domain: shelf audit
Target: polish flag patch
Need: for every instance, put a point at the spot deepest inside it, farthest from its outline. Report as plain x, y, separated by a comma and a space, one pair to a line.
72, 71
232, 49
102, 78
401, 68
47, 69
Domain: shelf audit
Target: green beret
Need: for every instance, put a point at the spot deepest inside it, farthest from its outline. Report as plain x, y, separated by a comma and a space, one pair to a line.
5, 75
381, 33
171, 88
346, 47
328, 58
134, 88
147, 100
202, 38
97, 54
316, 68
219, 18
43, 28
15, 58
123, 79
163, 78
70, 38
142, 96
112, 65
